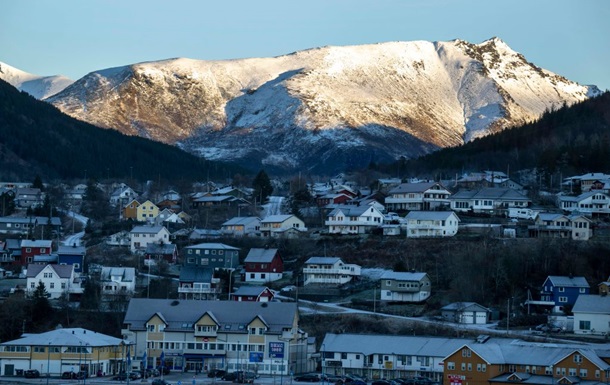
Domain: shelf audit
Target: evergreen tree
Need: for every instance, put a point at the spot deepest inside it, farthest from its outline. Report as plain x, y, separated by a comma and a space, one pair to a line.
262, 186
7, 203
41, 308
38, 183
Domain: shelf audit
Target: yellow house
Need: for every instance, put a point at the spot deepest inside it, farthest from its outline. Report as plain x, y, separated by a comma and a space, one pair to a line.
64, 350
146, 212
201, 335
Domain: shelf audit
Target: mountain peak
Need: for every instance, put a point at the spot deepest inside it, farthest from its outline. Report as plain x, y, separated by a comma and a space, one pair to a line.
39, 87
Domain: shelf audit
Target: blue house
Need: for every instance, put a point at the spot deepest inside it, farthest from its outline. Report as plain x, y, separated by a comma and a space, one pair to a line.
563, 291
211, 255
72, 255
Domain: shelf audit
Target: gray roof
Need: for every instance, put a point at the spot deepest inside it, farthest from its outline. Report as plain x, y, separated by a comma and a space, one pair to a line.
260, 255
55, 221
589, 303
36, 243
71, 250
157, 248
276, 218
464, 306
232, 316
430, 215
322, 260
146, 229
404, 345
413, 187
351, 211
490, 193
196, 274
127, 274
250, 290
241, 221
550, 216
215, 246
63, 271
563, 281
67, 337
403, 276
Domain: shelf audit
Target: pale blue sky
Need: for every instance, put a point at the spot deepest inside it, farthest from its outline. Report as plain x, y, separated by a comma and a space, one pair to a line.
74, 37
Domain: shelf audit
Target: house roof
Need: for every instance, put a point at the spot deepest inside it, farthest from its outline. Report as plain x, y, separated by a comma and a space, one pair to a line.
403, 276
322, 260
196, 274
464, 306
564, 281
232, 316
256, 255
276, 218
550, 216
63, 271
215, 246
431, 215
36, 243
404, 345
250, 290
127, 274
241, 221
413, 187
147, 229
67, 337
589, 303
71, 250
352, 211
490, 193
157, 248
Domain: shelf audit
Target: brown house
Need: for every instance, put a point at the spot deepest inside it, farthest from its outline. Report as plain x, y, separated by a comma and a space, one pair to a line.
130, 210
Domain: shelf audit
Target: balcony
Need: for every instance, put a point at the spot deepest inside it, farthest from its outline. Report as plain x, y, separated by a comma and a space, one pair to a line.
199, 290
309, 270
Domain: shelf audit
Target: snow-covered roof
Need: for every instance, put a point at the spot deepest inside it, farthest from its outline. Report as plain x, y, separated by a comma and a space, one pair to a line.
67, 337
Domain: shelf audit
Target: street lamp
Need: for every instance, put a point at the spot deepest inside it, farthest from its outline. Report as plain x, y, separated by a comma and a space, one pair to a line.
48, 362
322, 365
86, 373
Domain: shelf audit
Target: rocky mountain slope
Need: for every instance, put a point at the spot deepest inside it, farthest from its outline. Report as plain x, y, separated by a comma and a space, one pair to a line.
327, 108
39, 87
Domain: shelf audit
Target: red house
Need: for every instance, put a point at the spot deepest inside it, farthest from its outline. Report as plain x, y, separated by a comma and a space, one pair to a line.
263, 265
31, 248
252, 294
337, 199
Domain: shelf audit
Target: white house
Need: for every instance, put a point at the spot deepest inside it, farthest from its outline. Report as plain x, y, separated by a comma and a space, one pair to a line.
588, 203
141, 236
278, 225
417, 196
592, 314
122, 195
553, 225
465, 313
487, 200
118, 281
405, 286
431, 224
57, 279
240, 226
329, 271
353, 220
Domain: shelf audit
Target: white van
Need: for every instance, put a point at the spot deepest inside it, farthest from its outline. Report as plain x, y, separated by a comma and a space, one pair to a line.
522, 213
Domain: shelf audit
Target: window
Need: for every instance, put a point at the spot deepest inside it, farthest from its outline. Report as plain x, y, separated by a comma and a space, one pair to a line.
151, 328
584, 325
344, 356
583, 373
577, 358
469, 367
581, 290
466, 353
450, 365
463, 366
572, 371
52, 285
561, 289
563, 299
63, 285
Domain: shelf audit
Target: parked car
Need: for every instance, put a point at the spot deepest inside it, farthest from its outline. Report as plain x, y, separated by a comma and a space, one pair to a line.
158, 381
229, 376
308, 377
216, 373
120, 377
31, 373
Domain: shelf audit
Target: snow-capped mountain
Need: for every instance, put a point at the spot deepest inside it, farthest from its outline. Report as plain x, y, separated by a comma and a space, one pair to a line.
326, 108
40, 87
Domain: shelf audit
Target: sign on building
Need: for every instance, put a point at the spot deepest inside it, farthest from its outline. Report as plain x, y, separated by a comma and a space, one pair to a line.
276, 350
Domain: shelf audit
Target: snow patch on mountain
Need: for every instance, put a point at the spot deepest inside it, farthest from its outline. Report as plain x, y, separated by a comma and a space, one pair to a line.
39, 87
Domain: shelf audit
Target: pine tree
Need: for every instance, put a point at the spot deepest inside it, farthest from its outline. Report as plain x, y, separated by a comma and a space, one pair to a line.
262, 186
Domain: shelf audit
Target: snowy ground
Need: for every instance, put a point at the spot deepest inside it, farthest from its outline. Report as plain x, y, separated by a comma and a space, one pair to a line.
274, 207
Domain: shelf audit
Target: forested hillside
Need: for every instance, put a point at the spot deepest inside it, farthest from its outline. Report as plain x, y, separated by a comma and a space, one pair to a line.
571, 140
37, 139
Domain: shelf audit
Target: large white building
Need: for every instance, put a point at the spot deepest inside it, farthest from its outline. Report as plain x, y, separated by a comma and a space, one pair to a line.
329, 271
141, 236
592, 314
57, 279
417, 196
353, 220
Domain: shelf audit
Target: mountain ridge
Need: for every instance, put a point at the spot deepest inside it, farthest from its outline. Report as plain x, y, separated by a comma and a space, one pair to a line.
327, 108
40, 87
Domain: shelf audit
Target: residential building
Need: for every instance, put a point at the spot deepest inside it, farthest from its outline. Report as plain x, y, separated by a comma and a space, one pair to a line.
488, 200
157, 252
63, 350
118, 281
586, 182
422, 224
28, 197
554, 225
466, 313
332, 198
509, 361
563, 291
57, 279
72, 255
279, 225
240, 226
229, 335
353, 220
252, 293
122, 238
146, 211
590, 203
31, 248
329, 271
405, 286
198, 283
592, 315
130, 210
141, 236
263, 265
122, 195
200, 262
36, 226
417, 196
387, 356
